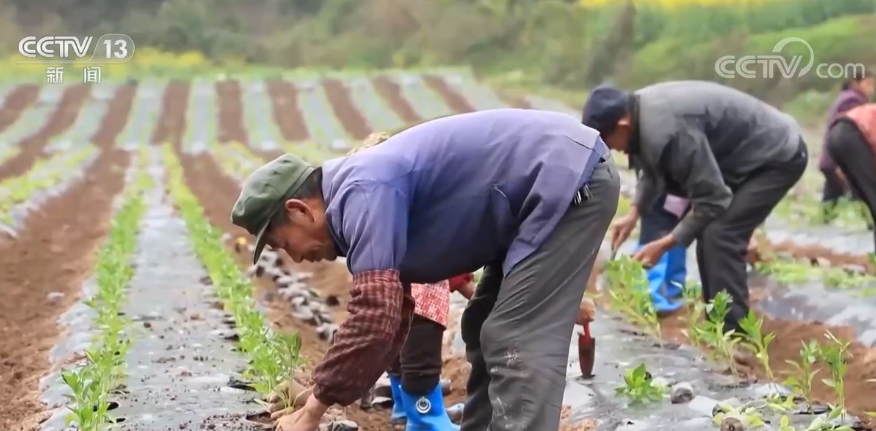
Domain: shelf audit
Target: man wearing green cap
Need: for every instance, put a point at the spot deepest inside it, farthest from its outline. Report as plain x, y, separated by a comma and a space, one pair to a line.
527, 195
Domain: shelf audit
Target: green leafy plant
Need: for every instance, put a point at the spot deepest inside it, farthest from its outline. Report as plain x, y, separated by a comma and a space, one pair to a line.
804, 371
628, 294
712, 330
758, 343
835, 355
639, 387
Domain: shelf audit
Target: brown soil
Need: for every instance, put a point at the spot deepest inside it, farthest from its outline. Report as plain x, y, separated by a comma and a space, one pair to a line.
32, 147
391, 92
172, 122
287, 113
16, 102
815, 252
116, 117
54, 253
231, 122
454, 100
345, 110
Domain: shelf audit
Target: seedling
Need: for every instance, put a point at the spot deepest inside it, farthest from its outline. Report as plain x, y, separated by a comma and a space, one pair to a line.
712, 330
639, 387
835, 355
788, 272
692, 294
805, 372
758, 343
629, 295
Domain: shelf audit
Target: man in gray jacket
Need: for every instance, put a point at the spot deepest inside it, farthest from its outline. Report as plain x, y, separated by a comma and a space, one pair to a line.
733, 156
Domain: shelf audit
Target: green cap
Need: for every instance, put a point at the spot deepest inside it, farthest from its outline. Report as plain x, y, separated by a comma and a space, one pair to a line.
264, 193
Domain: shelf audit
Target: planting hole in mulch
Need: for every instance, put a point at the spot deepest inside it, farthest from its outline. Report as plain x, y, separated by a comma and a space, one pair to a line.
112, 406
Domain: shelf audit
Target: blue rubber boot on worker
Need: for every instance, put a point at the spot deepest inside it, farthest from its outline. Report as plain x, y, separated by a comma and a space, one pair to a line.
676, 272
656, 282
427, 413
398, 416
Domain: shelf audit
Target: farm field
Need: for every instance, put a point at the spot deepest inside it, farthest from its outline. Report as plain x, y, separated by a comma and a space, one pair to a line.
128, 298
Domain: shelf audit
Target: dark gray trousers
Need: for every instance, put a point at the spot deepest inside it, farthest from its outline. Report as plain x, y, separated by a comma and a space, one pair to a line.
723, 244
517, 329
853, 154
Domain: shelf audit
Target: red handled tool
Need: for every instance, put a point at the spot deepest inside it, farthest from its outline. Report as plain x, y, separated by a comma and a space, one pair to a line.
586, 351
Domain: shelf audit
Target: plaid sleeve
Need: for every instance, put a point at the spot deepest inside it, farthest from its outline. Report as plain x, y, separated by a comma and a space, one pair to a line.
380, 317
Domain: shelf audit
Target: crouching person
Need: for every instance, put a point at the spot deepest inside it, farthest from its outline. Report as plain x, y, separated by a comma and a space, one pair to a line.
527, 195
851, 143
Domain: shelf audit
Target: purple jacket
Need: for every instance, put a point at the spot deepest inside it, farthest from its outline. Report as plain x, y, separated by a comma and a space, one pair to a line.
846, 100
451, 195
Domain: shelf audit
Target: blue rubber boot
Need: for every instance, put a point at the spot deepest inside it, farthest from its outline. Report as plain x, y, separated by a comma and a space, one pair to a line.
427, 413
656, 281
398, 416
676, 272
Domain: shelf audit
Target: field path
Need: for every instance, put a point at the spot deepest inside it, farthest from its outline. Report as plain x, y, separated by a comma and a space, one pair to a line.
391, 92
172, 119
43, 270
232, 127
34, 145
454, 100
183, 358
344, 108
116, 117
287, 113
16, 102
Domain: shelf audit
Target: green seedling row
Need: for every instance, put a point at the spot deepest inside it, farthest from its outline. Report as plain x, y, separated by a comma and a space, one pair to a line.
274, 356
92, 383
44, 174
627, 286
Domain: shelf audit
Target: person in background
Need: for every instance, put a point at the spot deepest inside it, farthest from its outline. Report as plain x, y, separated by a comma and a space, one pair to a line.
733, 156
855, 92
851, 142
528, 195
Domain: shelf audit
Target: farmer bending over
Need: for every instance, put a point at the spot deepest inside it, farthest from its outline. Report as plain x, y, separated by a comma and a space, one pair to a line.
732, 155
528, 195
856, 91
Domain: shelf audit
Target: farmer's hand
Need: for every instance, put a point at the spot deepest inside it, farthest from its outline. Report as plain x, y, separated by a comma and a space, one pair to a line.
653, 251
587, 312
621, 229
289, 393
305, 419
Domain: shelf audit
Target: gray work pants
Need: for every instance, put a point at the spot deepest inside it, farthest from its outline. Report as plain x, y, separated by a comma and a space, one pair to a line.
517, 329
723, 244
853, 154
